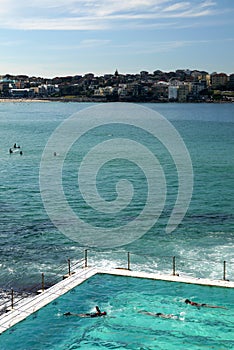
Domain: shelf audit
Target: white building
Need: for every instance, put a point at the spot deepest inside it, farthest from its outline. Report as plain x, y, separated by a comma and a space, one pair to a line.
173, 92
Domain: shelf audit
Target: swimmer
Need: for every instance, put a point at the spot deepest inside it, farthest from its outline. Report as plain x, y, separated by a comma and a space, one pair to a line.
159, 314
193, 303
98, 313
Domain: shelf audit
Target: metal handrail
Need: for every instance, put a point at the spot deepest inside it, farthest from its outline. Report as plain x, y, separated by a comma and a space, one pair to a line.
83, 263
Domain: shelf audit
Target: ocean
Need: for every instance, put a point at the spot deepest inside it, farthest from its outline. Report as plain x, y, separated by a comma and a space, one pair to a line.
32, 243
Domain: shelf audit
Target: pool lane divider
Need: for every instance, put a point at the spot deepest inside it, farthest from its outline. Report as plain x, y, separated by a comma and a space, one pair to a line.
24, 308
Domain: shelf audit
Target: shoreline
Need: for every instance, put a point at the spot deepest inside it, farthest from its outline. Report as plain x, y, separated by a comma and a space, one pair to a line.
15, 100
96, 100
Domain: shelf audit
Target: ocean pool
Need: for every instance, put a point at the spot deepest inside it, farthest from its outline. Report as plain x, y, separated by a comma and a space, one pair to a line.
125, 326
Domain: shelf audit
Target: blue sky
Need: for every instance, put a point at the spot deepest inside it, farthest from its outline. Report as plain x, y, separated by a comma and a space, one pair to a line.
67, 37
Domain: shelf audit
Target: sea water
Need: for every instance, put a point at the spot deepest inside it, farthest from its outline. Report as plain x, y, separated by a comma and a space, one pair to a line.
30, 242
130, 304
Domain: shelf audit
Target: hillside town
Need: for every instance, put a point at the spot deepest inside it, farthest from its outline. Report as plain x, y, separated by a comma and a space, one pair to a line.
179, 86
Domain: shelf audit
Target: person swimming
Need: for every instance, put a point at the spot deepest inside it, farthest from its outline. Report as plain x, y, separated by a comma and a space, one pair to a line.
193, 303
98, 313
159, 314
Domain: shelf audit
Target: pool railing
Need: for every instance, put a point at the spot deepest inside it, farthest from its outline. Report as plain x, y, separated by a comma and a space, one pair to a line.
19, 308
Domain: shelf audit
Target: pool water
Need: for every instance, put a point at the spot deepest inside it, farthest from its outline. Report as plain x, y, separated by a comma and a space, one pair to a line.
126, 326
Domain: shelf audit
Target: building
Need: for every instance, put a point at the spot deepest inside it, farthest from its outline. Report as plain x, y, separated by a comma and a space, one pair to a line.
196, 88
160, 90
5, 86
173, 92
105, 91
22, 93
218, 79
231, 82
183, 92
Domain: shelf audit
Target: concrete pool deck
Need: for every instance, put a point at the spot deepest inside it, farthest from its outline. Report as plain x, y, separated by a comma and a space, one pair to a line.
24, 308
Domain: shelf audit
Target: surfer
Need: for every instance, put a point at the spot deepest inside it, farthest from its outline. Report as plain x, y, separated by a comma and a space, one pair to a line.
98, 313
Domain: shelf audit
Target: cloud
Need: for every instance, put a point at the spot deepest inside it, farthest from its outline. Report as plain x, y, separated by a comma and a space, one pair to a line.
12, 43
56, 24
177, 6
5, 7
154, 47
151, 47
95, 14
136, 47
94, 43
208, 3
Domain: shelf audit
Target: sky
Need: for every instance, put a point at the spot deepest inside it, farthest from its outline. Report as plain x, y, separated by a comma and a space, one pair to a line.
51, 38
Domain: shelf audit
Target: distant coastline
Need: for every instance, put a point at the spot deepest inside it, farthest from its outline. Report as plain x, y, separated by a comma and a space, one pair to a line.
95, 100
157, 87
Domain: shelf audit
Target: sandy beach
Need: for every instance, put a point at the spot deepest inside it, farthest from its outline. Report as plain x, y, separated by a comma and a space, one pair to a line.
16, 100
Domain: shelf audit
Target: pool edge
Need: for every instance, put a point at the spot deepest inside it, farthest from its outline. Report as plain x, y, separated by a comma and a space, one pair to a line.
24, 309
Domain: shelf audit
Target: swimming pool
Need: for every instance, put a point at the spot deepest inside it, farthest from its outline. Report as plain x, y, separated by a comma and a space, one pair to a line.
125, 326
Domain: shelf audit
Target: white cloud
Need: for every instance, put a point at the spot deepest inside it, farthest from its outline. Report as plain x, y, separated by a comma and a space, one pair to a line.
94, 43
208, 3
109, 47
151, 47
177, 6
5, 7
95, 14
55, 24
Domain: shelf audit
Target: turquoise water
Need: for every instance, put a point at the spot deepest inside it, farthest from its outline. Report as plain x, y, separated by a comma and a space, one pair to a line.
31, 244
125, 327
